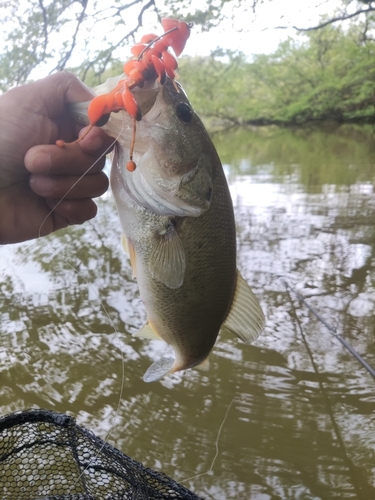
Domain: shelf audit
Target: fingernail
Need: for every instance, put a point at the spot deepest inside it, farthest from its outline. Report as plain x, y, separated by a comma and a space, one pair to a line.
42, 162
43, 186
92, 143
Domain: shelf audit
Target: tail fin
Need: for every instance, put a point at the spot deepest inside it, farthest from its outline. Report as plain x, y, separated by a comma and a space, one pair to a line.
159, 369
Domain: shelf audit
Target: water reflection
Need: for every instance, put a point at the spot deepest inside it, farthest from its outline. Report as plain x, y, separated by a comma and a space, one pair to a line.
291, 417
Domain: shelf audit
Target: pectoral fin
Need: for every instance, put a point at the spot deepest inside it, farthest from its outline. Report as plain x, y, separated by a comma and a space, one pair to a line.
159, 369
129, 249
246, 318
167, 260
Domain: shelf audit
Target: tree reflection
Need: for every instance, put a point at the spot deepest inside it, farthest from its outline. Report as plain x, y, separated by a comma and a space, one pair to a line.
301, 424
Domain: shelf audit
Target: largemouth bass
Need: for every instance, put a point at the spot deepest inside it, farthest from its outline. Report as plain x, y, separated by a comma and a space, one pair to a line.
179, 230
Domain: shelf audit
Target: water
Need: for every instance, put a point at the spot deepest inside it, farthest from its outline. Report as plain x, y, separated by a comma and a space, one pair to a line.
289, 417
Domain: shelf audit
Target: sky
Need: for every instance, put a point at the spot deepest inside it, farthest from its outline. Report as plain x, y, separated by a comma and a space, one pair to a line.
261, 36
252, 34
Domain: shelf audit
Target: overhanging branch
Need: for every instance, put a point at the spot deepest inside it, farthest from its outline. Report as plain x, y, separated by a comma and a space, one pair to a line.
130, 34
62, 63
343, 17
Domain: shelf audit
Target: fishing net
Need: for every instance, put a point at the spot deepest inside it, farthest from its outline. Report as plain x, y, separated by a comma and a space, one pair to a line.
46, 456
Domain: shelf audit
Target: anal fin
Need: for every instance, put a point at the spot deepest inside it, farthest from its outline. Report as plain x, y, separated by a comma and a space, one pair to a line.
147, 332
204, 366
245, 319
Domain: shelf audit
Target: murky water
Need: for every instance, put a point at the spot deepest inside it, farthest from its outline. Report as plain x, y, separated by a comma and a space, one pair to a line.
290, 417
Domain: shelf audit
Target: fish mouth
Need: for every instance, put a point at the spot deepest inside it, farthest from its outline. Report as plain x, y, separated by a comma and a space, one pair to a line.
154, 117
146, 96
160, 125
152, 120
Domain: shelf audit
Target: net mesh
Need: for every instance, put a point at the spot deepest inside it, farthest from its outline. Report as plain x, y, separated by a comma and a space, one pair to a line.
46, 456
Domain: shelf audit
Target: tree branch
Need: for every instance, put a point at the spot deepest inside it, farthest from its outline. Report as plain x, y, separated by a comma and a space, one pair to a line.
130, 34
343, 17
62, 63
117, 11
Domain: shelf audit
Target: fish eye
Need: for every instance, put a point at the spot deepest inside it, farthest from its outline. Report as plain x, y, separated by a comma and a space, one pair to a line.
184, 112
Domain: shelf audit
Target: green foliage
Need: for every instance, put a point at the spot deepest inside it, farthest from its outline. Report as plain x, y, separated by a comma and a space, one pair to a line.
52, 35
324, 74
329, 75
27, 37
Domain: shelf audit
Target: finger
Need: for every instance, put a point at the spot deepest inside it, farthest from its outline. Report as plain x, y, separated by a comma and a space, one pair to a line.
69, 187
71, 158
72, 211
60, 89
96, 141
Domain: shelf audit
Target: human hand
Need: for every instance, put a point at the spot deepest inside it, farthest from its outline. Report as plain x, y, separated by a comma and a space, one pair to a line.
35, 174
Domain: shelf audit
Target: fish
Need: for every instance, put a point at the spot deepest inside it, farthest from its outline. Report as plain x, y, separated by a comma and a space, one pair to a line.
179, 229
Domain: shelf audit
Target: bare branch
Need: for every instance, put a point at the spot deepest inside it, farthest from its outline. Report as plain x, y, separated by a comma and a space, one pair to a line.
116, 13
62, 63
343, 17
130, 34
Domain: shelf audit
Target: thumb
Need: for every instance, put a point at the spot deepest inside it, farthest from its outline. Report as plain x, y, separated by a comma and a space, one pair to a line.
60, 89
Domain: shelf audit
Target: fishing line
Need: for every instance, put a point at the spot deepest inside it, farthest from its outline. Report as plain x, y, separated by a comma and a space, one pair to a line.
216, 445
336, 429
332, 330
77, 181
117, 411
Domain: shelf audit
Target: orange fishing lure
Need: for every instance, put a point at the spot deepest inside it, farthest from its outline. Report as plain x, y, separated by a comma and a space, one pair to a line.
151, 61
